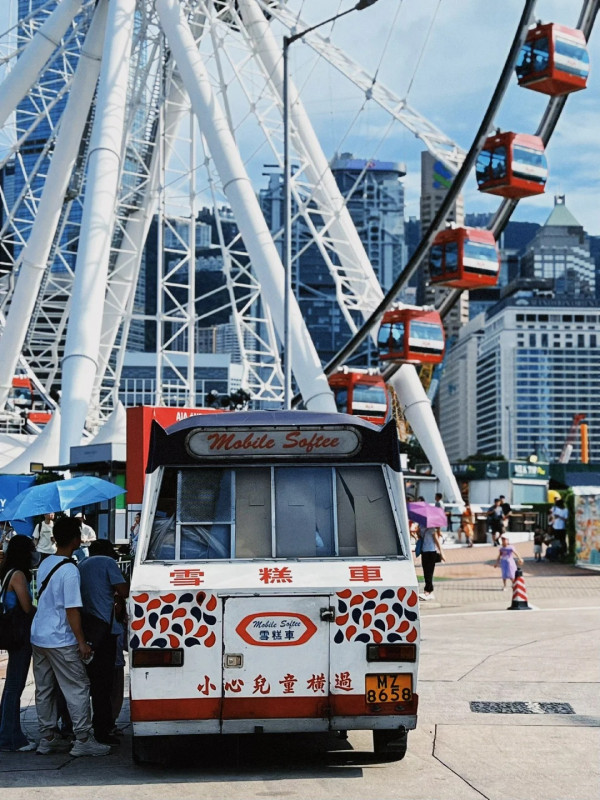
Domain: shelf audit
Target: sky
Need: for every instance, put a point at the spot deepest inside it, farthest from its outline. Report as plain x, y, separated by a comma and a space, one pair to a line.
444, 57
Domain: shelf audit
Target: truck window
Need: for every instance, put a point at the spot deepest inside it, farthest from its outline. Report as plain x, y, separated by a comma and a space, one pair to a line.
365, 521
273, 512
303, 512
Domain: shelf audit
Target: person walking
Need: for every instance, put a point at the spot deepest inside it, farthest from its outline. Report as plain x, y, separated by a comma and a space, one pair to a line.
431, 554
506, 512
101, 580
15, 575
60, 648
43, 536
88, 535
467, 524
495, 521
558, 521
507, 558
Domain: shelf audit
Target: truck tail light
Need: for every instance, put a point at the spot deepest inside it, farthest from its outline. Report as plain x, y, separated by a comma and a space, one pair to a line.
391, 652
153, 657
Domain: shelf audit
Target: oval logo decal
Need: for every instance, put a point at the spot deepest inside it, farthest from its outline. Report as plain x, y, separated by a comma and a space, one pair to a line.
276, 629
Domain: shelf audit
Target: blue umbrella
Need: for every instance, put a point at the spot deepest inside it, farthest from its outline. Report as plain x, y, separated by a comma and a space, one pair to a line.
59, 496
426, 515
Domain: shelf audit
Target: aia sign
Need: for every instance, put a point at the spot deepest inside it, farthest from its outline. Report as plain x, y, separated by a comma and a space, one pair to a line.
276, 629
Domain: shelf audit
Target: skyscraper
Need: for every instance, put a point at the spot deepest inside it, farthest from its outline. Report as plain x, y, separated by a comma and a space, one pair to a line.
519, 373
435, 182
375, 200
560, 251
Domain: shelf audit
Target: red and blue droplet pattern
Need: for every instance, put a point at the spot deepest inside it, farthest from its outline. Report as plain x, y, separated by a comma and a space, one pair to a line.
374, 616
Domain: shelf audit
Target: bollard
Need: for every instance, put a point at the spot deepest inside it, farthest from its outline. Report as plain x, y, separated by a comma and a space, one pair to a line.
519, 598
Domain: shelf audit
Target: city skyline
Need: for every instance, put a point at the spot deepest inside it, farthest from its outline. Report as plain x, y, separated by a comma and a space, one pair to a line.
408, 47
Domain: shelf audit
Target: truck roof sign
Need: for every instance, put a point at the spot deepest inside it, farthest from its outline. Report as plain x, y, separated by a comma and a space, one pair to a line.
292, 443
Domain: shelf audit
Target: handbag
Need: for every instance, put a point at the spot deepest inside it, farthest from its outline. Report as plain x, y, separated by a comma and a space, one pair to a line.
438, 557
15, 624
418, 547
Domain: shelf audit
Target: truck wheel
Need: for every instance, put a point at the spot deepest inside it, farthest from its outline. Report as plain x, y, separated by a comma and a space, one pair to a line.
391, 744
146, 750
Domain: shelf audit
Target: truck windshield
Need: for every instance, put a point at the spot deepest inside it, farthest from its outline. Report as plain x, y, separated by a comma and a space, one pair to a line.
273, 512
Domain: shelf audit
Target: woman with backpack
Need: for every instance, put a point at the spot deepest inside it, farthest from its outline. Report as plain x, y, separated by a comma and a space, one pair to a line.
15, 577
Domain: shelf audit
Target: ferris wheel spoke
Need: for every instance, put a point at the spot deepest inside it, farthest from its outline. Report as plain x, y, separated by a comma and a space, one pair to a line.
34, 259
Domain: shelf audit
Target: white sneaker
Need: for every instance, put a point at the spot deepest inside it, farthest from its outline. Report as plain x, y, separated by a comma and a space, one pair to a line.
27, 748
426, 596
55, 745
89, 748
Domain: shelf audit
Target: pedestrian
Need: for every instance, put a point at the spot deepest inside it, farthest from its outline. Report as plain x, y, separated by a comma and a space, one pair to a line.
101, 579
43, 536
15, 575
538, 541
495, 521
7, 533
467, 524
60, 648
431, 554
88, 536
506, 512
507, 558
118, 688
558, 521
134, 533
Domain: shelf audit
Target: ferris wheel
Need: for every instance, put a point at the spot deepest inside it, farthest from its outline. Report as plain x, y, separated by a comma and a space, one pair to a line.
98, 141
122, 120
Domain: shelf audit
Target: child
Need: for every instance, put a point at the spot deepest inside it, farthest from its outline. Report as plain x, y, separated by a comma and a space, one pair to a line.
538, 540
506, 559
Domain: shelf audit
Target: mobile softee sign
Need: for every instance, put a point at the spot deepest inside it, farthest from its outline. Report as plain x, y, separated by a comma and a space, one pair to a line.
273, 588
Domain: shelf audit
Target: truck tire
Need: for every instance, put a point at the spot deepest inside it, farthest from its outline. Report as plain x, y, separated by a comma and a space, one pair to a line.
148, 750
391, 744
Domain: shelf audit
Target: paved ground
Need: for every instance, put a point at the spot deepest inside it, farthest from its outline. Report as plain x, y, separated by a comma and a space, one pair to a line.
544, 662
468, 579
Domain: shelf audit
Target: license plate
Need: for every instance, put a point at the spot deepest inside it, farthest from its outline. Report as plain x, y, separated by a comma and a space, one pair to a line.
387, 688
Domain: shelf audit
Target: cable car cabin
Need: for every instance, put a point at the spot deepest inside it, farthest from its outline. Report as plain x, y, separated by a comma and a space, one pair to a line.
512, 165
554, 60
360, 392
464, 258
273, 589
411, 335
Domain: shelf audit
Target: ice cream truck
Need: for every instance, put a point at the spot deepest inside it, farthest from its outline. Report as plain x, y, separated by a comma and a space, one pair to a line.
273, 588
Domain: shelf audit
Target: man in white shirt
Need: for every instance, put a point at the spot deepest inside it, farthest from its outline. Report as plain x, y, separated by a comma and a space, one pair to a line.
43, 536
60, 649
559, 515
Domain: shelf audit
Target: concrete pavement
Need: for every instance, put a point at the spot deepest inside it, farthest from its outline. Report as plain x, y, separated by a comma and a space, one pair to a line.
541, 665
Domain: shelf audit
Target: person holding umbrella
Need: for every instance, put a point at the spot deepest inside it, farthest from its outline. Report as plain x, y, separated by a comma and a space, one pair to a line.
431, 554
430, 519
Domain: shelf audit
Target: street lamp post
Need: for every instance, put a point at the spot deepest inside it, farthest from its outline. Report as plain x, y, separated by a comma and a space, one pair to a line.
510, 432
287, 200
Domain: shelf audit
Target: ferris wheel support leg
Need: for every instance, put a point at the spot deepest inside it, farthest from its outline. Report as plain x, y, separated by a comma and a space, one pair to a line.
240, 194
349, 247
29, 64
37, 250
121, 289
91, 267
416, 407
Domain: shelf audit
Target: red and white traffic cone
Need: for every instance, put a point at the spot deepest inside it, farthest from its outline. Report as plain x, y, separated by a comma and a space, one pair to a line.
519, 598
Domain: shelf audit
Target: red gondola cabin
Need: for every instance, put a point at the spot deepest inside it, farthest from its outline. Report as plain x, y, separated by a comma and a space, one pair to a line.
464, 258
512, 165
554, 60
411, 335
360, 392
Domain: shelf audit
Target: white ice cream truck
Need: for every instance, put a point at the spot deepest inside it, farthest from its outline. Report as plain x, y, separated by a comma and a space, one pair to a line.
273, 588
